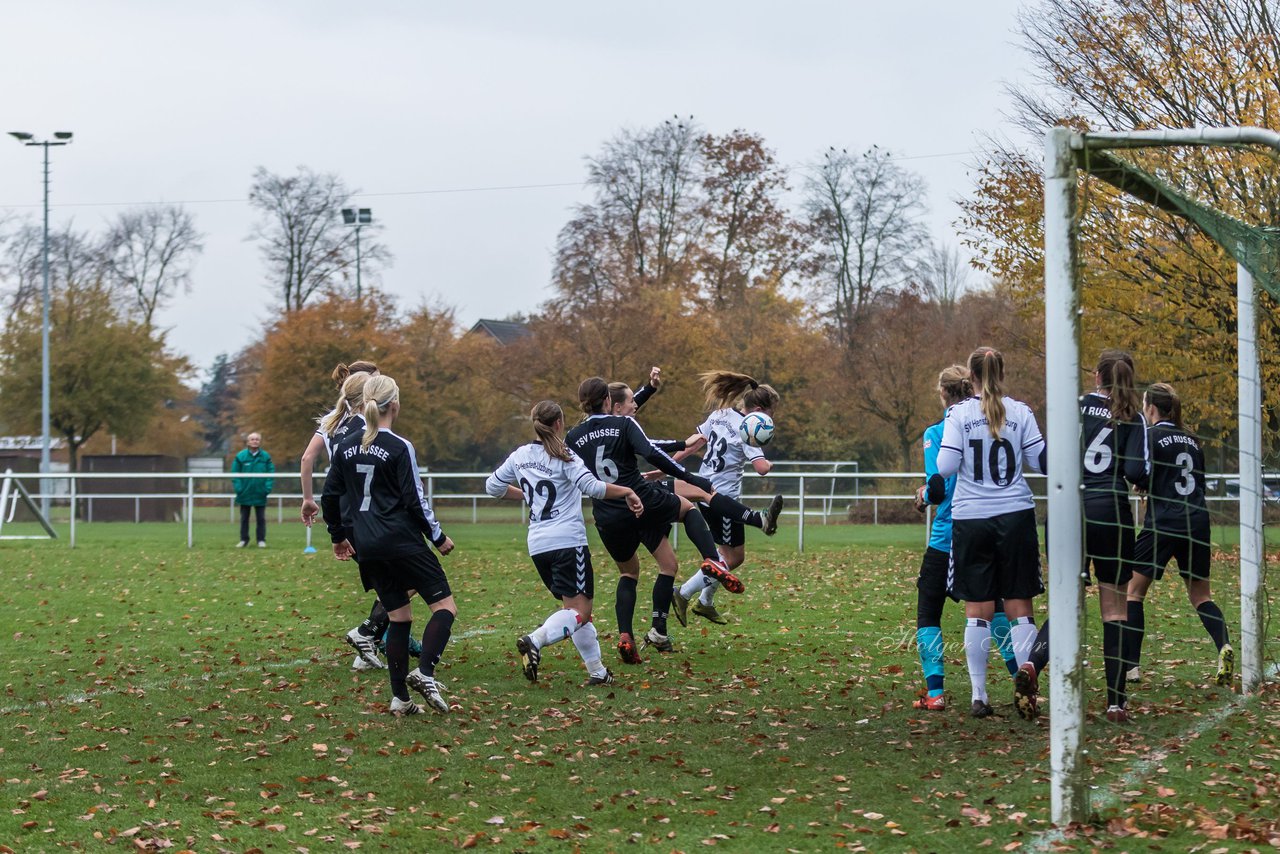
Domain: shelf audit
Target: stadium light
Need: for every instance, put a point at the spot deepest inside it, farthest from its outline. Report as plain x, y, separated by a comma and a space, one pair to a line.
357, 218
62, 137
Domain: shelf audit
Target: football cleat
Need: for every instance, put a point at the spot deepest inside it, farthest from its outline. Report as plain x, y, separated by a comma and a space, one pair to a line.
1026, 691
658, 641
680, 607
1118, 715
415, 646
360, 664
365, 647
981, 709
771, 515
937, 703
627, 649
404, 707
709, 612
606, 679
530, 657
426, 686
1226, 665
720, 572
1133, 674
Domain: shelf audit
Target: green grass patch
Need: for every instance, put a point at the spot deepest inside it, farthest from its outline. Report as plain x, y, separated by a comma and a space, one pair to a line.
156, 696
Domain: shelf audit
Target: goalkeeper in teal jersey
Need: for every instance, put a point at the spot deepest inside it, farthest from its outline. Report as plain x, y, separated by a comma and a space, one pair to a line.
934, 584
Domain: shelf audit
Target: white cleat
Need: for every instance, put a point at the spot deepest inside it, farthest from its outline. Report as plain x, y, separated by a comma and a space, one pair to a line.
427, 687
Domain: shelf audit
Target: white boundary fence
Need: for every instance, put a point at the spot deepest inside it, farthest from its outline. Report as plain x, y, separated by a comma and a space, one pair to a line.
810, 495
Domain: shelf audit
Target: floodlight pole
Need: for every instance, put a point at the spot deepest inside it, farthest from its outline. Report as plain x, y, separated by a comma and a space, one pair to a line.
61, 138
1069, 798
1251, 544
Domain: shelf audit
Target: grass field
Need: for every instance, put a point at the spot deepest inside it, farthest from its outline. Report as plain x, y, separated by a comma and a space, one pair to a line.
157, 697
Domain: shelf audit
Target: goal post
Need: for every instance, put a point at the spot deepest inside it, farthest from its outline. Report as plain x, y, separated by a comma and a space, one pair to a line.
1257, 253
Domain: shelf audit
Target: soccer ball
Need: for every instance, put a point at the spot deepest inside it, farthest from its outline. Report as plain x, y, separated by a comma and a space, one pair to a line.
756, 429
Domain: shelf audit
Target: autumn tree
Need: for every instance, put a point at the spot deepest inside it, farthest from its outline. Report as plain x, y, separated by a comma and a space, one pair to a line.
284, 378
307, 249
1150, 282
865, 214
148, 255
105, 371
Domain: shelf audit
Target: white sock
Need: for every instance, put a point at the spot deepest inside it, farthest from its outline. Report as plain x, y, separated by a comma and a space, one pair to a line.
1022, 634
977, 647
694, 585
588, 644
560, 625
708, 596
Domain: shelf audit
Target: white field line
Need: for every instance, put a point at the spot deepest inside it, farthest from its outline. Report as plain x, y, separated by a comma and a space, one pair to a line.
78, 697
1141, 769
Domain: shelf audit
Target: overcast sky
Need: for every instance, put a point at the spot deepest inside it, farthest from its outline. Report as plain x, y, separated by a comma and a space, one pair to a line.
180, 102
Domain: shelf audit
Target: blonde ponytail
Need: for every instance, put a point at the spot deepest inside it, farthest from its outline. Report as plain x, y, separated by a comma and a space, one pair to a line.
986, 367
379, 393
349, 398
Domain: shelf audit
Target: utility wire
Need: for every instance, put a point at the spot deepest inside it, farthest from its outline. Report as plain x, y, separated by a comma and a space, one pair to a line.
436, 192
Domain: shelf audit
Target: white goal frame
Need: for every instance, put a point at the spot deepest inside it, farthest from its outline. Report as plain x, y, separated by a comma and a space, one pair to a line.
1068, 771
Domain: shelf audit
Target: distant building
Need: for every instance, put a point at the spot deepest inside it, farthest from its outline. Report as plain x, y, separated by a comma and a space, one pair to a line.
503, 331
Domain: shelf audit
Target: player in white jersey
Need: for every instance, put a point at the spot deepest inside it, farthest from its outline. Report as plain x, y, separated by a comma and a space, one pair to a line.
986, 440
551, 480
722, 464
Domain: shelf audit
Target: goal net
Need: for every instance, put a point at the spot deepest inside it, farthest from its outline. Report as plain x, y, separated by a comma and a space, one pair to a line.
1177, 245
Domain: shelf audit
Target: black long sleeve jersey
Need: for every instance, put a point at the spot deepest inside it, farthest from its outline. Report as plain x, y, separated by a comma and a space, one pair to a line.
383, 490
609, 445
1176, 500
1113, 452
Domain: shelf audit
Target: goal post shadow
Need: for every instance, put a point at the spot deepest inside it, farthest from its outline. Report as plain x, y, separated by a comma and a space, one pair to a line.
1257, 254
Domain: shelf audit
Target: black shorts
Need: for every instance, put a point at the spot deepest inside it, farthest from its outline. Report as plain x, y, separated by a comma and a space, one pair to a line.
936, 571
567, 572
623, 535
724, 530
1154, 549
393, 578
1108, 540
996, 558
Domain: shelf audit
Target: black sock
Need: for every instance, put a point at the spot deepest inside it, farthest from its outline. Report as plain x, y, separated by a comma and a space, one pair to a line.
376, 625
700, 535
663, 587
1112, 634
398, 657
624, 605
1214, 623
726, 506
1136, 634
434, 639
1039, 657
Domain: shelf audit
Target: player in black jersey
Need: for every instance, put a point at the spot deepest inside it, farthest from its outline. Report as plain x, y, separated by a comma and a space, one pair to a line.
1115, 455
1176, 527
609, 445
377, 472
1113, 439
333, 427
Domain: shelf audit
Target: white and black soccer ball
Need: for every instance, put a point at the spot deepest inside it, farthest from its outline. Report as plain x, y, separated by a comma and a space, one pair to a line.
756, 429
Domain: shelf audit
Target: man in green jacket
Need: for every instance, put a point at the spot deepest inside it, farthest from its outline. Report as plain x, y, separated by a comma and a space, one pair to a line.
252, 491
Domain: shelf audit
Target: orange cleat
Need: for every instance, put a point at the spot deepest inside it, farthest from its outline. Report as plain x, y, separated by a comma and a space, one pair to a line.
716, 569
627, 649
932, 704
